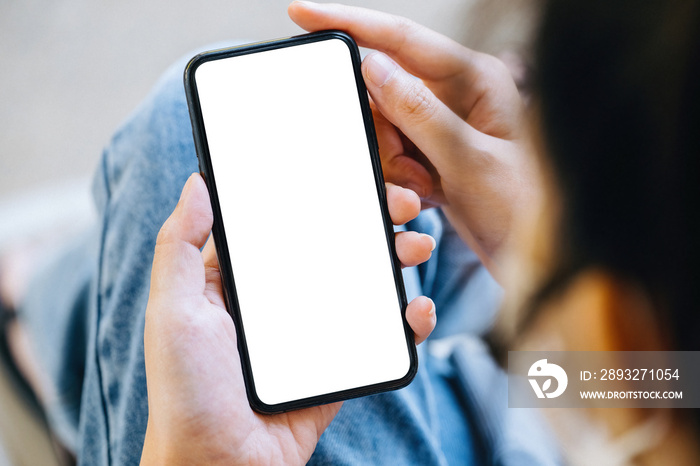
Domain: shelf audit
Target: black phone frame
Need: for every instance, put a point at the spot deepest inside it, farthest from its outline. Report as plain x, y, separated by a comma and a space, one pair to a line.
228, 282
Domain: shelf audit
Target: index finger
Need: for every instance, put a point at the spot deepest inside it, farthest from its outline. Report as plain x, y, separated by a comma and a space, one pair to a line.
420, 51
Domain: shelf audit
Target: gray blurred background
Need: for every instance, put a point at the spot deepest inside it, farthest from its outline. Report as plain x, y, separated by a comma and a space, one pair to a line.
72, 71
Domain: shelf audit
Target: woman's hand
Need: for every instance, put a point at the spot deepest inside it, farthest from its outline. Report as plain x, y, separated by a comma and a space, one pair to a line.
198, 409
456, 135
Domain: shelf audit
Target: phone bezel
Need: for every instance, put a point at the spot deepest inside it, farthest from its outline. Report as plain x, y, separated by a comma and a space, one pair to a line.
205, 167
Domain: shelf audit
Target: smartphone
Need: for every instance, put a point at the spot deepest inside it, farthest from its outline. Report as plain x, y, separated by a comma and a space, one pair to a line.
286, 145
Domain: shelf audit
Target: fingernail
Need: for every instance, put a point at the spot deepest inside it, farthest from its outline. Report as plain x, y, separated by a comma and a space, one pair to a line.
432, 240
187, 189
379, 68
308, 5
431, 312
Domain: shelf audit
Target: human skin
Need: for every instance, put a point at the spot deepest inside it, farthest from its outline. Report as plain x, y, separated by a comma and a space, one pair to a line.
198, 408
456, 136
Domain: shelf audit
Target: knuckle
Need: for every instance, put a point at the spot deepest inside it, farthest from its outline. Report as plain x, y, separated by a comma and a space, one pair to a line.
418, 103
497, 66
212, 272
403, 28
493, 70
404, 25
490, 64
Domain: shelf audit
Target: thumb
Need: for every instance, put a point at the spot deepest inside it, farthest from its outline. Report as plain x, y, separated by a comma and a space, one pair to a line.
178, 268
398, 165
408, 104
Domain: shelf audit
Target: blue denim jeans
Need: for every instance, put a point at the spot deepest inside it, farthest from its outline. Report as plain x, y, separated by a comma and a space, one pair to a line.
85, 316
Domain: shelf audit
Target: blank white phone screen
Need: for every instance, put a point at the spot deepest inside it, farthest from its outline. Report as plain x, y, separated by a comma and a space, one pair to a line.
300, 209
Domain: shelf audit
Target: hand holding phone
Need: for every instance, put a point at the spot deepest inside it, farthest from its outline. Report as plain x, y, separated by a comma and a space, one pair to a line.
305, 243
197, 406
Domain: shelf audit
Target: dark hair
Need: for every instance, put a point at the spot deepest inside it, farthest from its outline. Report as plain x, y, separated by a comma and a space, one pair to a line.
618, 86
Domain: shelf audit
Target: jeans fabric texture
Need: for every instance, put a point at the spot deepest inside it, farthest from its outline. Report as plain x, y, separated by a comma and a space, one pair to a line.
85, 315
